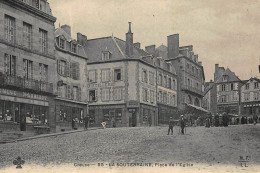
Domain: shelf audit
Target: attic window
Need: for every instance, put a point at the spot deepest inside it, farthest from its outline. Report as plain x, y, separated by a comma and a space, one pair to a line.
106, 55
74, 47
225, 78
62, 43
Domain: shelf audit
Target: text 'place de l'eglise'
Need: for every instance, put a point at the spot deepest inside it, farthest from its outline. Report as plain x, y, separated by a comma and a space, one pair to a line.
48, 78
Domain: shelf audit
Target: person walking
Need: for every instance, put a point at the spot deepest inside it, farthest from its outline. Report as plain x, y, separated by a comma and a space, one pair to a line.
182, 123
255, 119
170, 126
86, 120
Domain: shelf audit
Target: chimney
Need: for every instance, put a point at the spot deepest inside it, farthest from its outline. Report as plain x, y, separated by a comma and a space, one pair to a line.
129, 42
137, 44
216, 72
67, 29
150, 49
200, 63
196, 58
173, 45
82, 39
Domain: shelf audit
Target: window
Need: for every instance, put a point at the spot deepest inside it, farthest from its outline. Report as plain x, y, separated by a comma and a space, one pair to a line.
105, 94
62, 67
151, 78
247, 86
62, 91
145, 95
193, 69
165, 81
169, 83
43, 72
160, 96
197, 85
27, 69
152, 96
144, 76
173, 84
105, 75
173, 100
165, 98
188, 82
256, 96
223, 99
232, 87
76, 93
10, 64
197, 71
117, 73
43, 40
74, 48
62, 43
27, 35
75, 71
92, 95
105, 56
188, 66
225, 78
223, 87
9, 29
69, 95
118, 114
246, 96
160, 79
92, 76
256, 85
117, 93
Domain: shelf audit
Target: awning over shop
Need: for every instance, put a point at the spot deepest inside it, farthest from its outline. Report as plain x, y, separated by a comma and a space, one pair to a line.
198, 108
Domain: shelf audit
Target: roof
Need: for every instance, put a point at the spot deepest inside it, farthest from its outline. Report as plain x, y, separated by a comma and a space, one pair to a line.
115, 46
251, 79
232, 77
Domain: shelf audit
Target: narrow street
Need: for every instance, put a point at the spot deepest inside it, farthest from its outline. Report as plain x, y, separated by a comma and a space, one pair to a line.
200, 145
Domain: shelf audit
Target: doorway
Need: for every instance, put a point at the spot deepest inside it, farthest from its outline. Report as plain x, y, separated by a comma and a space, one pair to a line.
22, 117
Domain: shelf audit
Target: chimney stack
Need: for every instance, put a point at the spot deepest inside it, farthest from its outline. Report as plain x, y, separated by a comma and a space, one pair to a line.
82, 39
150, 49
129, 42
173, 45
137, 44
67, 29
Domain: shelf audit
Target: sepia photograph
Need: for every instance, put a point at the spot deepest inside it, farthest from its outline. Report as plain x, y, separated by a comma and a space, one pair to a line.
129, 86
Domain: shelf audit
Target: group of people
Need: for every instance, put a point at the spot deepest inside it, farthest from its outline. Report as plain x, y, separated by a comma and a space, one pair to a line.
181, 122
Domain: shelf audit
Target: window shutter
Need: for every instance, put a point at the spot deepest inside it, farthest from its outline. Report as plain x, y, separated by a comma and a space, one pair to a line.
79, 93
122, 74
77, 71
74, 71
68, 69
7, 63
148, 95
58, 66
96, 95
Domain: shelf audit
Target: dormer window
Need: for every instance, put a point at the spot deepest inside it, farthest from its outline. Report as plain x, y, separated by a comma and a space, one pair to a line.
62, 43
106, 55
225, 78
74, 47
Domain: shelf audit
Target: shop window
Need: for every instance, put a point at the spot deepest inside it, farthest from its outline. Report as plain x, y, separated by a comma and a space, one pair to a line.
117, 73
65, 113
8, 113
118, 114
145, 115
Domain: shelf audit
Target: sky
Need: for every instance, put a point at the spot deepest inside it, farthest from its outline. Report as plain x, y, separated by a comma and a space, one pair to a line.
221, 32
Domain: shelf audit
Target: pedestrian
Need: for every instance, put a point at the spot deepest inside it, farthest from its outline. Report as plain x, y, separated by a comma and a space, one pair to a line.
225, 119
255, 119
182, 123
104, 124
170, 126
150, 120
86, 120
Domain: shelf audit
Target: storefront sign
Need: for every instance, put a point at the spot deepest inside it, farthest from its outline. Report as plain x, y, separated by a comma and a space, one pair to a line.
133, 104
22, 94
98, 85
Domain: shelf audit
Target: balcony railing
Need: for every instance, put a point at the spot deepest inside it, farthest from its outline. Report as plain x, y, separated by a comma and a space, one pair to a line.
192, 89
26, 84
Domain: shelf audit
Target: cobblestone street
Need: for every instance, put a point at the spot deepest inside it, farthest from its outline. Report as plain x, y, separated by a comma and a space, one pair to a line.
216, 145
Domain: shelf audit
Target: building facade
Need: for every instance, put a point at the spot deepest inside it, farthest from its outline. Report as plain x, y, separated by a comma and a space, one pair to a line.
227, 91
27, 64
250, 98
122, 83
71, 100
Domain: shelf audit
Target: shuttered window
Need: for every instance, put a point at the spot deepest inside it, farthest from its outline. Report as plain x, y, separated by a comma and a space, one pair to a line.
105, 94
9, 29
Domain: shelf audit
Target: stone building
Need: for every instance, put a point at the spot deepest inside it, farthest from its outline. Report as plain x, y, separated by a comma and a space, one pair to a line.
166, 84
226, 91
71, 100
250, 97
27, 64
207, 99
122, 82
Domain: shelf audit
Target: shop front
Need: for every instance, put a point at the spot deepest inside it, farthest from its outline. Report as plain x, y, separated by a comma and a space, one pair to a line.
165, 112
22, 111
148, 115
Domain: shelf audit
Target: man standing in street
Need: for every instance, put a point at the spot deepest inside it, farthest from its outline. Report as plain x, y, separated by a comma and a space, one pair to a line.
86, 120
182, 123
170, 126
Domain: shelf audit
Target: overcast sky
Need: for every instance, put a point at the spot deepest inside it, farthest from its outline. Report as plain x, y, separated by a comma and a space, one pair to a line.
221, 31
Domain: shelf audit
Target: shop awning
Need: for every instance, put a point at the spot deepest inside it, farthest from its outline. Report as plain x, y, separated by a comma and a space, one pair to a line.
198, 108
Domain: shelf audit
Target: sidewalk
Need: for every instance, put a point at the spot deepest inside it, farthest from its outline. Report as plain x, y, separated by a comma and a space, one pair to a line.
14, 136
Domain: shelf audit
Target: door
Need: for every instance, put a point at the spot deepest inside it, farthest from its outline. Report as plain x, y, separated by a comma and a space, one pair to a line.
22, 117
134, 119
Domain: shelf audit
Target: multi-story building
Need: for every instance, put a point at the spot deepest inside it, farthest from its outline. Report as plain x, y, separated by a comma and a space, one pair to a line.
250, 97
122, 82
226, 91
71, 102
27, 64
166, 85
190, 74
207, 99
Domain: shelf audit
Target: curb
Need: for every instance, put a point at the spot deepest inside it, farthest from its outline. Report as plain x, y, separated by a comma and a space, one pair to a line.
47, 135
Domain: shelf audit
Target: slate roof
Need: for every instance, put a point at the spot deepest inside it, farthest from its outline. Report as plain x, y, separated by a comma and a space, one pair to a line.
232, 77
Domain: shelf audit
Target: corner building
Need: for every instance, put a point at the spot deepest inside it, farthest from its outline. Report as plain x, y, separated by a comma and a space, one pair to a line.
122, 83
27, 64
